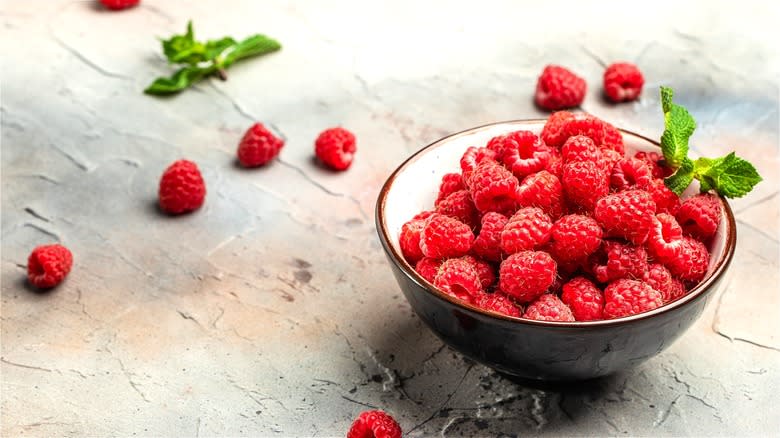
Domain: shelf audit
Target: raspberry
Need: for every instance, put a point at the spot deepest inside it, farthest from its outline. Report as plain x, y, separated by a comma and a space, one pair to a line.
628, 297
443, 236
559, 88
428, 267
574, 237
527, 229
374, 424
458, 205
116, 5
654, 162
458, 278
499, 303
523, 153
580, 148
630, 173
542, 190
526, 275
692, 262
623, 82
666, 201
555, 164
258, 146
587, 125
48, 265
584, 299
484, 271
488, 243
182, 188
665, 239
472, 158
699, 216
613, 139
626, 214
450, 183
493, 188
336, 148
549, 307
660, 279
423, 215
553, 133
584, 183
609, 158
409, 240
622, 261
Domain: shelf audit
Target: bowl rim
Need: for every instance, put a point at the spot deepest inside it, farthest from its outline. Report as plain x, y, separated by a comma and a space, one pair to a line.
701, 289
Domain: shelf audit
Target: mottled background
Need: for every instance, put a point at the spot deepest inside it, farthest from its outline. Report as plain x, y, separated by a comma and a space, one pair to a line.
272, 311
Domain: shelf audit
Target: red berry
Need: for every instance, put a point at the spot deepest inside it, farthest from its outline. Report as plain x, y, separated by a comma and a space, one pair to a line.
559, 88
116, 5
526, 275
484, 271
494, 188
423, 215
622, 261
450, 183
258, 146
428, 267
499, 303
580, 148
584, 299
522, 152
409, 240
472, 158
699, 216
553, 133
626, 214
374, 424
458, 278
666, 201
527, 229
555, 164
574, 238
182, 188
48, 265
587, 125
630, 173
488, 243
628, 297
336, 148
665, 239
623, 82
613, 139
548, 307
459, 205
542, 190
654, 162
660, 279
584, 183
692, 262
443, 236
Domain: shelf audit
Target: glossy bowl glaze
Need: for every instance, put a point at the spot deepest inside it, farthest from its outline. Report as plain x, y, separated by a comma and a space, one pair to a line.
534, 350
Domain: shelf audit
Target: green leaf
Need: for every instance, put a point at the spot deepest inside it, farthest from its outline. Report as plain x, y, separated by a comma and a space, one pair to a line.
214, 48
666, 98
252, 46
730, 176
679, 128
180, 80
183, 49
682, 178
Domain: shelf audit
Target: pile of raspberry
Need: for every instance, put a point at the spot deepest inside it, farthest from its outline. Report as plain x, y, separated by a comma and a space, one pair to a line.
562, 226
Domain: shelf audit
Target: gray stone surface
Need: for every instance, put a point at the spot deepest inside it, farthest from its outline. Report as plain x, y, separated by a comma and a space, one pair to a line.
271, 311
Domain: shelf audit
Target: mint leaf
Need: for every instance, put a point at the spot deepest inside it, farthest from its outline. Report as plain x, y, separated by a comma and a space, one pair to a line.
682, 178
666, 98
214, 48
180, 80
679, 128
183, 49
730, 176
252, 46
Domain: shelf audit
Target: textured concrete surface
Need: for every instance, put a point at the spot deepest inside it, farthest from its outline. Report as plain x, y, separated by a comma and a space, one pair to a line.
272, 311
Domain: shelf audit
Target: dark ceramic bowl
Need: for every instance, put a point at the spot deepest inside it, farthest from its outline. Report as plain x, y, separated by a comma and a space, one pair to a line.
535, 350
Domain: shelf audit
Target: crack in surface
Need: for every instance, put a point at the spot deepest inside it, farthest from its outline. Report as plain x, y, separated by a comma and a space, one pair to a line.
443, 405
21, 365
35, 214
43, 230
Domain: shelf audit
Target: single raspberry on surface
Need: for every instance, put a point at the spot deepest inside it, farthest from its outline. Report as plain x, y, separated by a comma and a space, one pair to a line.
460, 206
574, 238
553, 133
472, 158
692, 262
585, 182
619, 260
116, 5
549, 307
336, 148
630, 173
374, 424
48, 265
559, 88
627, 214
660, 279
182, 188
409, 240
527, 229
523, 153
542, 190
666, 201
655, 162
443, 236
665, 239
450, 183
485, 271
458, 278
499, 303
623, 82
626, 297
494, 188
526, 275
488, 242
699, 216
585, 300
428, 267
613, 139
258, 146
580, 148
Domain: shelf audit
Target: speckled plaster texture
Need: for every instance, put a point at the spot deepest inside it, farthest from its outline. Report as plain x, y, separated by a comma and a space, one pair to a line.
272, 311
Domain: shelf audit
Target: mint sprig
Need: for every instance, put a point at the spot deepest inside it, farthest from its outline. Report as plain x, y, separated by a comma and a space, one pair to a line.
198, 60
730, 175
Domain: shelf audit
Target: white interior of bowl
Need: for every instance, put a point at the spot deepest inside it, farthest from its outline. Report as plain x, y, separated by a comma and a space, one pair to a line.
416, 184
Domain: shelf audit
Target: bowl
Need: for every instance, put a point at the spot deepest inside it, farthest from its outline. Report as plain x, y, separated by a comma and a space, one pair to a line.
533, 350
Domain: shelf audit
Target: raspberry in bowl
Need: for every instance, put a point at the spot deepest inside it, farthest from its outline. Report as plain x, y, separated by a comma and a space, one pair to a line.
547, 250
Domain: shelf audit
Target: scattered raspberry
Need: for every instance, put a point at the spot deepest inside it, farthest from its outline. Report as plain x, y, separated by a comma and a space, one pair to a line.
499, 303
258, 146
626, 214
559, 88
182, 188
574, 238
580, 148
660, 279
484, 271
630, 173
665, 239
548, 307
584, 183
493, 188
542, 190
654, 162
116, 5
622, 261
428, 267
409, 240
374, 424
458, 278
526, 275
48, 265
443, 236
699, 216
450, 183
460, 206
584, 299
666, 201
336, 148
488, 243
527, 229
623, 82
692, 262
553, 133
472, 158
628, 297
613, 139
523, 153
